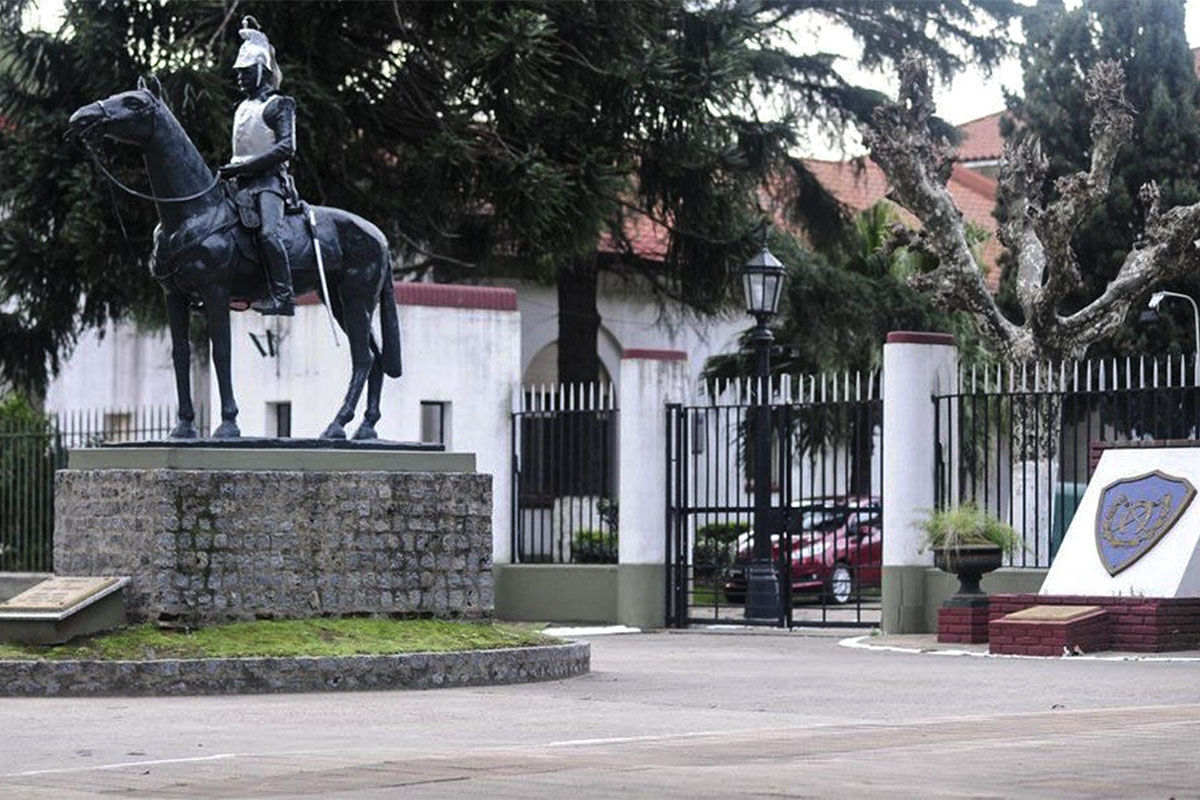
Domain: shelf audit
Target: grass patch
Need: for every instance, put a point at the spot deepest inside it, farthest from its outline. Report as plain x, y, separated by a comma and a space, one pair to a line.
300, 637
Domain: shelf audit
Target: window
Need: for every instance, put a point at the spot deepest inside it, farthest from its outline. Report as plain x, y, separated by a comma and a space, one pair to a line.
279, 420
435, 422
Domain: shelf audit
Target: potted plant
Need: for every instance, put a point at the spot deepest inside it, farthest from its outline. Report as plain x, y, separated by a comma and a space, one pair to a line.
968, 542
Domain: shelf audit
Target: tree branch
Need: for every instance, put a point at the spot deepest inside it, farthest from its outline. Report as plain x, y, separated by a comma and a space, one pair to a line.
917, 168
1039, 238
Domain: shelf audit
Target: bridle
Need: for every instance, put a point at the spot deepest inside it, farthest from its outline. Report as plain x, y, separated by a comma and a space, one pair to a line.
150, 109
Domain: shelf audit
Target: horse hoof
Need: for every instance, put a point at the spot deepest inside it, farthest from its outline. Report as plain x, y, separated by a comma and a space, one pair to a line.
227, 430
184, 430
334, 431
365, 431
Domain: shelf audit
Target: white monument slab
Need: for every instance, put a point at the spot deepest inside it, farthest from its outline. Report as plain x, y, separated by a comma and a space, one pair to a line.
1136, 531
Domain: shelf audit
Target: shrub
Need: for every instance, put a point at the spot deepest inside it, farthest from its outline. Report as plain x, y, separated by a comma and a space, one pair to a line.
966, 526
716, 546
594, 547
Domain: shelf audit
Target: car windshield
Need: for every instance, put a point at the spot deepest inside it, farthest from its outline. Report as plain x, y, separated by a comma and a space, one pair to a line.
821, 519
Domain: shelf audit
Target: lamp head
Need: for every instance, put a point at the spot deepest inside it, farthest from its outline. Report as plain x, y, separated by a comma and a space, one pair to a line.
1156, 299
762, 281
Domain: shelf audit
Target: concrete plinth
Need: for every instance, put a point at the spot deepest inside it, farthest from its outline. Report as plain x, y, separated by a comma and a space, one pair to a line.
284, 533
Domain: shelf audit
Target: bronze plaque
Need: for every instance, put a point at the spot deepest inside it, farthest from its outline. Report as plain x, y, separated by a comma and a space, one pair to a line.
56, 594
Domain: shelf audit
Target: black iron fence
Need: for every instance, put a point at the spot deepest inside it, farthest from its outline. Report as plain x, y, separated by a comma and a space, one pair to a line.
1017, 439
826, 506
33, 446
565, 508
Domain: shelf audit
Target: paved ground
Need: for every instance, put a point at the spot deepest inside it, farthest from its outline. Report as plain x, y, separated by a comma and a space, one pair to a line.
662, 715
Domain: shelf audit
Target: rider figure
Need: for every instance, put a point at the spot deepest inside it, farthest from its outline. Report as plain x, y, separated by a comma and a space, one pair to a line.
263, 140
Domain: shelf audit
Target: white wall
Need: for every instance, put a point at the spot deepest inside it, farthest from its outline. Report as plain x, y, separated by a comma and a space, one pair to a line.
467, 357
118, 367
630, 319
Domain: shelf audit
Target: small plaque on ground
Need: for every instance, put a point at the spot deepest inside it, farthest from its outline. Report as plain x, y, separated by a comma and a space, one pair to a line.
1051, 613
56, 595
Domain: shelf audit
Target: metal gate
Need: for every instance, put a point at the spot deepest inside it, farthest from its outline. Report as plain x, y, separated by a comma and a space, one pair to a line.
826, 502
564, 475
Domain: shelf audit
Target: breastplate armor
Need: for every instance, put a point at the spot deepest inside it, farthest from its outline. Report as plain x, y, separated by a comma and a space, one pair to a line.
251, 135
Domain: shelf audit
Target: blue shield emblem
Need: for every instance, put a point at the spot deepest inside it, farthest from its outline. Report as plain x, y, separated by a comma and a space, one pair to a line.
1135, 513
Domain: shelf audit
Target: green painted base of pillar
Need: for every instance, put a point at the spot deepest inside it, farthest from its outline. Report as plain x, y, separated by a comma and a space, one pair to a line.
912, 595
903, 596
641, 595
606, 594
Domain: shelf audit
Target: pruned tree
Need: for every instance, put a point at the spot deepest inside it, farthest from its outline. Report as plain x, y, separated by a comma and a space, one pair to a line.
1038, 231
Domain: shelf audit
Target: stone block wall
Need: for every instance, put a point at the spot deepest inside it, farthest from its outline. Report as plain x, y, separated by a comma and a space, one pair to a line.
203, 546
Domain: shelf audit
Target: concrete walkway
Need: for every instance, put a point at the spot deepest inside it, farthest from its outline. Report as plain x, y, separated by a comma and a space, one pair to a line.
662, 715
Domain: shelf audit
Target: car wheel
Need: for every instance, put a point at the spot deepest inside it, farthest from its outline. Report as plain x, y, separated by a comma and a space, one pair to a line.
840, 588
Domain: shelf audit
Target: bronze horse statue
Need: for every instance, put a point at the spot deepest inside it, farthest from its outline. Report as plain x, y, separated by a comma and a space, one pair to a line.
203, 257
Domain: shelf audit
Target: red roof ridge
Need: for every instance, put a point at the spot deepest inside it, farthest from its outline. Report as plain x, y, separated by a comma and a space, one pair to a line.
975, 181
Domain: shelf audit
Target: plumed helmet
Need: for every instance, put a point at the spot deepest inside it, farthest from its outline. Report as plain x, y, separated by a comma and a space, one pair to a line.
256, 50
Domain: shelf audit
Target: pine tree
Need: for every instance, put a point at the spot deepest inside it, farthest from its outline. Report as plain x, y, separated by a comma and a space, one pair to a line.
486, 138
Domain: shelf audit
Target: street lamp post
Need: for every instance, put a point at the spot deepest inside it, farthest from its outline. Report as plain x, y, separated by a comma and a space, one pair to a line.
1156, 300
762, 280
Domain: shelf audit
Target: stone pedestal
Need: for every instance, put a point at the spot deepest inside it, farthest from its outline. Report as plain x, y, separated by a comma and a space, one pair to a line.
279, 533
963, 619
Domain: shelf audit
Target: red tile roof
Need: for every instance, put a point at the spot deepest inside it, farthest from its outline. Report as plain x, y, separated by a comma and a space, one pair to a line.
981, 138
860, 188
444, 295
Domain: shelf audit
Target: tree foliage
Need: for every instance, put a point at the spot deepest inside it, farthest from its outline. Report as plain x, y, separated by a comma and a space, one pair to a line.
841, 301
485, 138
1063, 46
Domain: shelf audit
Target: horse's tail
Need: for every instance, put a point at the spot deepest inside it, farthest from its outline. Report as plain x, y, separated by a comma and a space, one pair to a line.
389, 324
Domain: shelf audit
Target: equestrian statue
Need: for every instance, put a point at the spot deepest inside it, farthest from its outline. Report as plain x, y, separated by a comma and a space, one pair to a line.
243, 237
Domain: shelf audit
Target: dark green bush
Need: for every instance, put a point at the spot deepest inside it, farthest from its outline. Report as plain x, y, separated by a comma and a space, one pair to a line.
594, 547
716, 546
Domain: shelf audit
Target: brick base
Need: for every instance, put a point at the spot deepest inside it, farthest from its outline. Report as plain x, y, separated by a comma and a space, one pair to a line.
963, 622
1084, 632
1137, 624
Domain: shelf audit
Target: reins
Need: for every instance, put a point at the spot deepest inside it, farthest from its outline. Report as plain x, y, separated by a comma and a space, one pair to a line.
99, 162
154, 198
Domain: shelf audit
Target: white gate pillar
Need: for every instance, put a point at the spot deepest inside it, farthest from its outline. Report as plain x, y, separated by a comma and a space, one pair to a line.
649, 379
916, 366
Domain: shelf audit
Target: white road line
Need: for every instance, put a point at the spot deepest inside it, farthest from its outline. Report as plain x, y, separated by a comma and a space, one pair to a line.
119, 765
659, 737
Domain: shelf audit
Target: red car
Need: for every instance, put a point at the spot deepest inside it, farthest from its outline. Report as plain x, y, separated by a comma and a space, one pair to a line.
837, 550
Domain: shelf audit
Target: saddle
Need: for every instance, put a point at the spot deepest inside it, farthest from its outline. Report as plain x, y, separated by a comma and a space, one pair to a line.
247, 208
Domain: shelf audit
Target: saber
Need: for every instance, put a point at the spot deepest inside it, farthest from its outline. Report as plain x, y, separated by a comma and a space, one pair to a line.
312, 227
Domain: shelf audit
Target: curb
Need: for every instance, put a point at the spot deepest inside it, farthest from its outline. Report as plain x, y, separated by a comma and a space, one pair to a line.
863, 643
268, 675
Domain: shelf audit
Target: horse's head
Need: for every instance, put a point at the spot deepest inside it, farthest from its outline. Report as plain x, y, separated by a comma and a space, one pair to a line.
126, 116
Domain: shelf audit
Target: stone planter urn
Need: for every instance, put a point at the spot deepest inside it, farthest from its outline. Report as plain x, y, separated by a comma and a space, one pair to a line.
970, 563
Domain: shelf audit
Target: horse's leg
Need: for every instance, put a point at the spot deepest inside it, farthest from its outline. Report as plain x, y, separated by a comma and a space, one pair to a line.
374, 389
181, 358
216, 306
356, 322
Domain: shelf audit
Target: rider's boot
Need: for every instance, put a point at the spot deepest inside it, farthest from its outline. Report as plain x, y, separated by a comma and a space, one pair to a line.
279, 298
